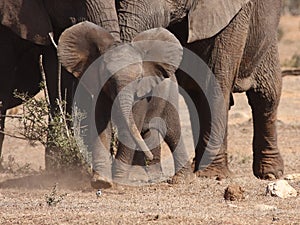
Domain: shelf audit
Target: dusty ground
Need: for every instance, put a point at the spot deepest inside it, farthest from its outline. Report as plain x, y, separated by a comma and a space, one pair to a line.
22, 193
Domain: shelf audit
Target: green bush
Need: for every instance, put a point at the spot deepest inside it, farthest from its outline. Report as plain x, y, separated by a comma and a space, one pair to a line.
68, 150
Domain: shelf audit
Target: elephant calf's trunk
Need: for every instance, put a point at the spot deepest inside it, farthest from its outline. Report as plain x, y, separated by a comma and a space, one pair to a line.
126, 102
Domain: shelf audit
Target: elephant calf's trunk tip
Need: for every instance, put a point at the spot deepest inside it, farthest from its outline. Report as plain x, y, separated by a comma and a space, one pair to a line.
149, 155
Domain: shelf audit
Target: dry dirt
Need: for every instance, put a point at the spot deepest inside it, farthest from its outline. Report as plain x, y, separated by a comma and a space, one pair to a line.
22, 193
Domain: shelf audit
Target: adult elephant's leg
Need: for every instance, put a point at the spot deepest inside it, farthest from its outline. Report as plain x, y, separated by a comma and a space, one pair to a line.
8, 62
2, 118
224, 59
210, 149
209, 160
101, 155
50, 65
264, 100
66, 80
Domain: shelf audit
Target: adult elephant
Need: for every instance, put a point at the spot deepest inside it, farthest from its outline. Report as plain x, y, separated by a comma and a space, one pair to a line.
24, 35
238, 41
134, 91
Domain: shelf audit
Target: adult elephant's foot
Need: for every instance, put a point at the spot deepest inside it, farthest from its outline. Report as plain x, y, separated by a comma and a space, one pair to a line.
219, 171
268, 167
218, 167
183, 176
99, 181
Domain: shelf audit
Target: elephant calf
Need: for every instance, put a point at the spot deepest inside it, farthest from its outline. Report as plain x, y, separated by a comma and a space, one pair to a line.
137, 92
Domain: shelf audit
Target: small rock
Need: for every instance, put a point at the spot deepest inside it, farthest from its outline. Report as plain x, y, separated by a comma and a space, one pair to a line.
232, 205
99, 193
281, 188
234, 193
239, 115
263, 207
294, 176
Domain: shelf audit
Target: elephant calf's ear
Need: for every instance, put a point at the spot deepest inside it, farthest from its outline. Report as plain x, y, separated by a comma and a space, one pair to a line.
161, 54
160, 46
207, 18
81, 44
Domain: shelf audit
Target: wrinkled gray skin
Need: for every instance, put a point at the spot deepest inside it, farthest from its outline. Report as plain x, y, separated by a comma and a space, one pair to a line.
238, 41
130, 89
24, 36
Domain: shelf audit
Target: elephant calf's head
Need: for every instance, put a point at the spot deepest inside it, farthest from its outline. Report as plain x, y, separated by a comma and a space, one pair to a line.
133, 69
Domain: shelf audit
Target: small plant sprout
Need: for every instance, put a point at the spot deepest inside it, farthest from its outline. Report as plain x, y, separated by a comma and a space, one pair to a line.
53, 197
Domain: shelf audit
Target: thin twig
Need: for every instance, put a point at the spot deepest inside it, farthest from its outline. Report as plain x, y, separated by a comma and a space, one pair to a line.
59, 68
12, 135
290, 72
59, 82
65, 97
32, 113
59, 103
46, 93
12, 116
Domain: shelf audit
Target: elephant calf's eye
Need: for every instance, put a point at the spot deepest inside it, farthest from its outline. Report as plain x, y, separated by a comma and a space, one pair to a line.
73, 20
148, 97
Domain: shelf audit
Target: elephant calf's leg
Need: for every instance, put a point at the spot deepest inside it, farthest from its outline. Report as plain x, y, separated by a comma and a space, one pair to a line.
128, 160
182, 161
153, 140
267, 162
102, 161
101, 155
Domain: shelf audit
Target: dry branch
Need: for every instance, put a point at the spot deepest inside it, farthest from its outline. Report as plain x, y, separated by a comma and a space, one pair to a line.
290, 72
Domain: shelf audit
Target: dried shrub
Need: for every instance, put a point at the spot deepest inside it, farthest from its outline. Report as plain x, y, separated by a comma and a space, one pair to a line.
54, 133
293, 62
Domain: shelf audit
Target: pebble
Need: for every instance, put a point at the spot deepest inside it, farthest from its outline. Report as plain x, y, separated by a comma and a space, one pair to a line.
263, 207
99, 193
281, 189
294, 176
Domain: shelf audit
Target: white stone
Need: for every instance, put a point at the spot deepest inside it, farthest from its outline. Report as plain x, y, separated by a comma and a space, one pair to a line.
98, 193
294, 176
231, 205
263, 207
281, 188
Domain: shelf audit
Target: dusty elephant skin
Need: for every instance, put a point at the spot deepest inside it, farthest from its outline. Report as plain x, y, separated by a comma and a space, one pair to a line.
239, 44
148, 89
24, 30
